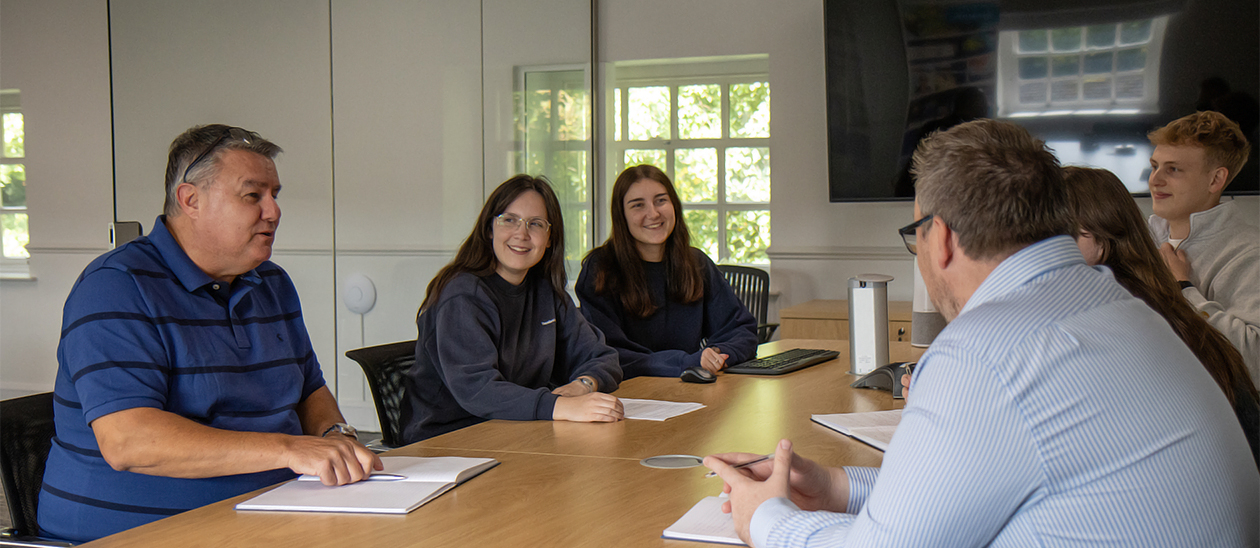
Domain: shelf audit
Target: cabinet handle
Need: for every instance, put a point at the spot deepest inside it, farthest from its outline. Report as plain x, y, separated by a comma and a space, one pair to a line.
901, 332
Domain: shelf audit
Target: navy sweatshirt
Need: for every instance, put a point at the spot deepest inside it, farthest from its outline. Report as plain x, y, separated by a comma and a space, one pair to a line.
490, 350
669, 340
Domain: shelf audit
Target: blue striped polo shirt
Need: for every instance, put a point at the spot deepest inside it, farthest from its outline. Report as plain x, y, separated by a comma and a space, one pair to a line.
143, 327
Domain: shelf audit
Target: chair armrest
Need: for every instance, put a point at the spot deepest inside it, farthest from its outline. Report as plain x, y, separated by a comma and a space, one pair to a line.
765, 331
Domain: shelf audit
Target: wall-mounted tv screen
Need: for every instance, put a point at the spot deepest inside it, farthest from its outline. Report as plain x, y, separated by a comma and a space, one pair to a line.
1089, 77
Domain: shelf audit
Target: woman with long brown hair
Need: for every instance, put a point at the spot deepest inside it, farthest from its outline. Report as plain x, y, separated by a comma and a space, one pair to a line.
1112, 232
499, 337
661, 303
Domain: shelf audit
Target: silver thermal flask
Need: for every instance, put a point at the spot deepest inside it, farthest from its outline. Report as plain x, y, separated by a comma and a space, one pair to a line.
868, 322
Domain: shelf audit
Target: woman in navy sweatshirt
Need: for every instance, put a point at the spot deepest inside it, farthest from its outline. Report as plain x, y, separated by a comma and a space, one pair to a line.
499, 337
662, 304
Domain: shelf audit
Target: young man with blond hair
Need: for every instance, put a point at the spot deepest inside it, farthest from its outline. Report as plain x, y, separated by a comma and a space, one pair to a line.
1211, 247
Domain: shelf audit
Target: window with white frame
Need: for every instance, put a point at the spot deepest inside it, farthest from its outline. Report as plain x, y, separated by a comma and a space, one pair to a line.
707, 125
1085, 70
14, 227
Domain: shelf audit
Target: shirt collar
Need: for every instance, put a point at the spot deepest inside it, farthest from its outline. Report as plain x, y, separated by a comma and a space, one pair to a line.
186, 271
1026, 264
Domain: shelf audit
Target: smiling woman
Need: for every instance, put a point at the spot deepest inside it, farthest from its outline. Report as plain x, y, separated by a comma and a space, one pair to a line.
498, 336
662, 303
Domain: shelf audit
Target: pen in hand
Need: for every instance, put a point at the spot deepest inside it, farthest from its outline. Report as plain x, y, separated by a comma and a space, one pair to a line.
745, 464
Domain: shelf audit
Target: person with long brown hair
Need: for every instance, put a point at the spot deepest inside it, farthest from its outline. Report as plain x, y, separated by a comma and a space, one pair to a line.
662, 304
498, 336
1112, 232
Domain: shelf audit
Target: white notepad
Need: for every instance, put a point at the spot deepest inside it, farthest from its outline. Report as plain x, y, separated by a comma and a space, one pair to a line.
875, 428
405, 484
705, 522
657, 410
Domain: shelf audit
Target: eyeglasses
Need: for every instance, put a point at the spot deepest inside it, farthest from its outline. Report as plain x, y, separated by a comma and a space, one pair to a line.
909, 233
537, 225
240, 133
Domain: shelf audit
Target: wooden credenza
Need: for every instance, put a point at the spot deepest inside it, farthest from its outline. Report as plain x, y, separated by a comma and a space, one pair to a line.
829, 319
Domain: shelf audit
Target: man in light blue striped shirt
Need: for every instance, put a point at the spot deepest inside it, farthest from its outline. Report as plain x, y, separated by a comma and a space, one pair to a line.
1054, 410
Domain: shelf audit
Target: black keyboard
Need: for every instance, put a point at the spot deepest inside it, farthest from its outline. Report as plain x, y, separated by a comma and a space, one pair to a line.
783, 362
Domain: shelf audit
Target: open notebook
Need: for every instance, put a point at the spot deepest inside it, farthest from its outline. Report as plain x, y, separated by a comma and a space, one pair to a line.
705, 522
875, 428
405, 484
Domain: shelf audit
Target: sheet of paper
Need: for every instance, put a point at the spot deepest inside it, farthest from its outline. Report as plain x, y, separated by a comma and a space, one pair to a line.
656, 410
705, 522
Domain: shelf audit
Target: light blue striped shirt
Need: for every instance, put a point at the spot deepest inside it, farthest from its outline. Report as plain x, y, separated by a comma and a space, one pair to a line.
1056, 410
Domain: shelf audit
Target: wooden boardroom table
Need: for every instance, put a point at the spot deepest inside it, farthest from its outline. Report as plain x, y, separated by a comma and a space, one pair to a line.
573, 484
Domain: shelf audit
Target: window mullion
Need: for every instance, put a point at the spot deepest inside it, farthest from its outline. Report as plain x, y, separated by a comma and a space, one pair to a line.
724, 248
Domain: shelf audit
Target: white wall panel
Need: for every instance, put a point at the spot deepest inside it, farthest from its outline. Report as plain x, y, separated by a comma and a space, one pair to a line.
56, 53
407, 145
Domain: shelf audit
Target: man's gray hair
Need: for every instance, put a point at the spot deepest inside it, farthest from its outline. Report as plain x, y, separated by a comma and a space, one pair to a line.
195, 156
995, 185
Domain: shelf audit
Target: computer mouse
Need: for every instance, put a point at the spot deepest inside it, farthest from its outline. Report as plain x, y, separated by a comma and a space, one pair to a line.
698, 374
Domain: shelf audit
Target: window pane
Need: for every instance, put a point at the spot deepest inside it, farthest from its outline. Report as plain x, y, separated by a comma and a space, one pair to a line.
1031, 68
1131, 59
1033, 41
748, 174
1068, 39
1064, 90
1034, 93
617, 114
14, 135
577, 224
568, 175
748, 236
16, 235
572, 115
1130, 86
1100, 36
750, 110
700, 112
1135, 32
538, 115
13, 185
1098, 63
695, 174
1065, 65
654, 156
703, 225
649, 113
1096, 89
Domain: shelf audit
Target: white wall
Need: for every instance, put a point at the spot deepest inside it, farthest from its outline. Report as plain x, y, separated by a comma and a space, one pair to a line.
407, 116
56, 53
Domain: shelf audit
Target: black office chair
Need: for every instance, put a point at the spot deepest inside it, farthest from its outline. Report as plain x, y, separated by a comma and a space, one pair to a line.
26, 432
386, 366
752, 286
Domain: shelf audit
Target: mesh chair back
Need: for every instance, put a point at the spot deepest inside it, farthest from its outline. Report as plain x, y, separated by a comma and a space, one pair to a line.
386, 368
26, 432
752, 286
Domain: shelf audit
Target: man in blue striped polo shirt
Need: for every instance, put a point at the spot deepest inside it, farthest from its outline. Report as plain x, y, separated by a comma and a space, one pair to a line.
185, 372
1054, 410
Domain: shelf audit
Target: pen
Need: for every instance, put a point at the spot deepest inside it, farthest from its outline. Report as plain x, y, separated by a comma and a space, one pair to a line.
744, 464
384, 477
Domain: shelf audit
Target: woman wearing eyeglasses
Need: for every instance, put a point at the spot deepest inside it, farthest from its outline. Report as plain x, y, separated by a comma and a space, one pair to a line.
499, 337
662, 304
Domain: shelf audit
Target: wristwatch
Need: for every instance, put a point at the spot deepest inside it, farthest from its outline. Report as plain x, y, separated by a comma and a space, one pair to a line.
588, 382
342, 428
